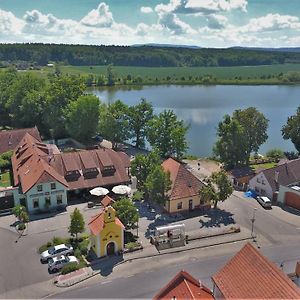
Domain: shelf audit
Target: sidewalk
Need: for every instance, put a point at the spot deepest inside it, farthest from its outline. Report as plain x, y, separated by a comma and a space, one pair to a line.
149, 251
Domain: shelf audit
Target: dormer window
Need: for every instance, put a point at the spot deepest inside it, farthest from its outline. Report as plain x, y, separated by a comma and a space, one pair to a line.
40, 188
53, 186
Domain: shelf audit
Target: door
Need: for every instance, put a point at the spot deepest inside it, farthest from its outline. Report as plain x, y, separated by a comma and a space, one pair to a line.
191, 204
110, 248
292, 200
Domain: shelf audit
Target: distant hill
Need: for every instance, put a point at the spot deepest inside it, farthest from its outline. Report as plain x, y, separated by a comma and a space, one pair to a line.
166, 46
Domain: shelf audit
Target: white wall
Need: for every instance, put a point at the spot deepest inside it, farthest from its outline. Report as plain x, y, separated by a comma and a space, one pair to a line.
46, 192
259, 184
282, 191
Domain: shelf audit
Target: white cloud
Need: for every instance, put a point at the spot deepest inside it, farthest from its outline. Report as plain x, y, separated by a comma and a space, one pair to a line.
146, 10
9, 24
272, 22
99, 17
216, 21
201, 6
171, 22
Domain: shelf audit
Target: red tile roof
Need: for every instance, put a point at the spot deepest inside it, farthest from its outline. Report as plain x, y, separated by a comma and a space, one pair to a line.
250, 275
97, 224
106, 201
9, 139
184, 286
184, 183
29, 167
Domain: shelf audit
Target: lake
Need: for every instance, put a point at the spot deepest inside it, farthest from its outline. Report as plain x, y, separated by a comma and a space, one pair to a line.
204, 106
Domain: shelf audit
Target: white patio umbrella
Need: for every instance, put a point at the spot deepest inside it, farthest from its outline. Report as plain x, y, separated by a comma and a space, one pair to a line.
99, 191
121, 189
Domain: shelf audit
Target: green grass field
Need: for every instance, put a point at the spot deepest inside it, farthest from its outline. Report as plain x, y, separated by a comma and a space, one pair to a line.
5, 180
263, 166
179, 72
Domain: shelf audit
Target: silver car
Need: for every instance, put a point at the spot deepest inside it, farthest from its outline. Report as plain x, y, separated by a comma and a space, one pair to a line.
57, 263
61, 249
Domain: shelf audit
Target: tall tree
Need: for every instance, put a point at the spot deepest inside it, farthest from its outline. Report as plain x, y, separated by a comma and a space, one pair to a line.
231, 144
126, 212
82, 117
158, 183
77, 223
218, 188
139, 117
142, 166
255, 126
167, 134
291, 130
114, 124
111, 76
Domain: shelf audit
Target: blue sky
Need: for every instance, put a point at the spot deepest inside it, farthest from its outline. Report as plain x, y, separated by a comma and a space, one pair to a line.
206, 23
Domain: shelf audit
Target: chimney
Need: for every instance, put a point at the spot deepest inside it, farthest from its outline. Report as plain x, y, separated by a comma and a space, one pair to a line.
297, 271
276, 176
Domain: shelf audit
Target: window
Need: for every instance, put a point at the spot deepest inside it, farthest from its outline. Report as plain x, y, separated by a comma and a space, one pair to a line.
39, 188
36, 203
47, 201
263, 182
59, 199
262, 192
53, 186
258, 180
179, 205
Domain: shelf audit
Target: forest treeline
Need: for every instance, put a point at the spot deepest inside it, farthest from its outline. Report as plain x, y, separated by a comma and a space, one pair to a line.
146, 56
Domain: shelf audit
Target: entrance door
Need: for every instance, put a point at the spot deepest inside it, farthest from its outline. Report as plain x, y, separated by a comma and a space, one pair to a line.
191, 204
110, 249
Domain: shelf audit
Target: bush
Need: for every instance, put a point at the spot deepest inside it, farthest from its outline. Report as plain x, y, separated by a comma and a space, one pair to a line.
57, 241
49, 244
131, 245
129, 237
71, 267
21, 226
83, 246
43, 248
77, 253
138, 196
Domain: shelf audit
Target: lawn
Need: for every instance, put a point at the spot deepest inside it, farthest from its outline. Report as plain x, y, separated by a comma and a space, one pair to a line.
5, 179
178, 72
264, 166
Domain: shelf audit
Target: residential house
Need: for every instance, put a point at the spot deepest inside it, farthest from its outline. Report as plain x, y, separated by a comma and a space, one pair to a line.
280, 183
10, 139
184, 286
45, 177
240, 177
250, 275
107, 201
184, 194
107, 233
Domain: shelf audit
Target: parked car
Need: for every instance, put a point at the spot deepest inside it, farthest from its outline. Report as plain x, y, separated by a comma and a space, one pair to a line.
57, 263
264, 202
61, 249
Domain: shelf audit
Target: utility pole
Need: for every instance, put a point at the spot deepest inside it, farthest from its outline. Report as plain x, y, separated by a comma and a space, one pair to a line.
137, 228
252, 227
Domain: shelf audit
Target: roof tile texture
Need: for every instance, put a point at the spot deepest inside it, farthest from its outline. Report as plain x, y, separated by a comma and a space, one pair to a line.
184, 183
250, 275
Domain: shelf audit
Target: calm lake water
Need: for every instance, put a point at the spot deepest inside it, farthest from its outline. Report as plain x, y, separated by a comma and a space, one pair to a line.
204, 106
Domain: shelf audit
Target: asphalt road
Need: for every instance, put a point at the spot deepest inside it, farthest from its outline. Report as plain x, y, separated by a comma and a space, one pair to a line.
146, 284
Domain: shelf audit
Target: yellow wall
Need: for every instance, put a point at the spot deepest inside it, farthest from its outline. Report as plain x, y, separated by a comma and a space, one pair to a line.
171, 206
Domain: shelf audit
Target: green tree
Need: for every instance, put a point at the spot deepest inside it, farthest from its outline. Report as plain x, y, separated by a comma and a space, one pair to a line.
275, 154
114, 124
291, 130
167, 134
126, 212
139, 117
77, 223
101, 80
5, 160
230, 147
142, 166
18, 211
158, 183
255, 126
218, 188
82, 117
111, 76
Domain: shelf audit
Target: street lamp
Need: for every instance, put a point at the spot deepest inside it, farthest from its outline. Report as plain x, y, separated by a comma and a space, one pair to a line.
252, 227
137, 227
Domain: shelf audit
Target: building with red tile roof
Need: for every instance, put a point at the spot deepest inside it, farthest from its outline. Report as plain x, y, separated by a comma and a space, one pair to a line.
10, 139
107, 201
250, 275
107, 233
184, 194
184, 286
44, 175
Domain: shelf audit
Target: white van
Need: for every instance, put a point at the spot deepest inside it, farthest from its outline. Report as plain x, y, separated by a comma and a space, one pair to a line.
264, 201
